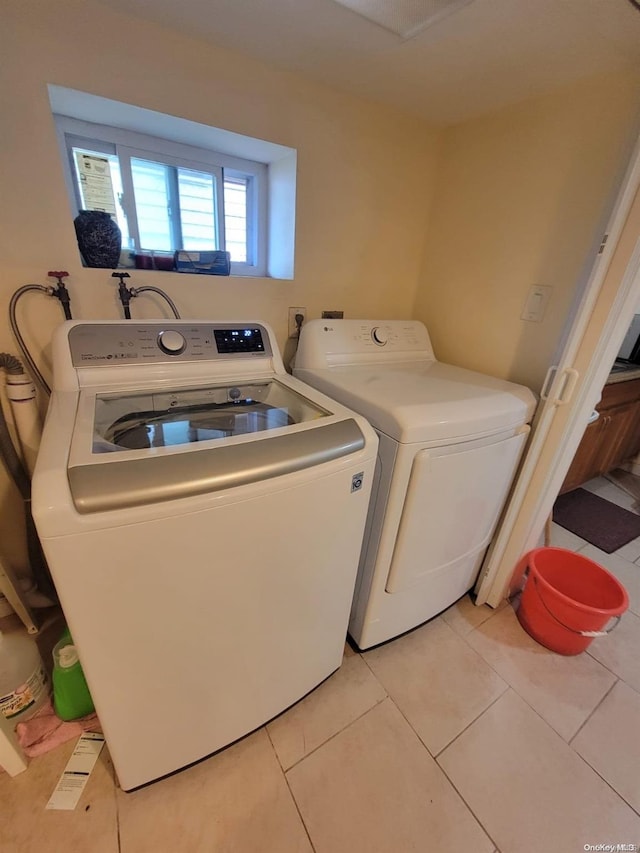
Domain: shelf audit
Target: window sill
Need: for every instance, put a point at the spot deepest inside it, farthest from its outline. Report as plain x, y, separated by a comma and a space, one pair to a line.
184, 273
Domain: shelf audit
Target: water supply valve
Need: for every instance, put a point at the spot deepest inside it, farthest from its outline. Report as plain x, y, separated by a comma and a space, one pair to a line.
60, 291
125, 293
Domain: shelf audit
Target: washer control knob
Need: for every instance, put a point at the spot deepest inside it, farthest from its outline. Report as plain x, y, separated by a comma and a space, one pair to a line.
171, 342
379, 336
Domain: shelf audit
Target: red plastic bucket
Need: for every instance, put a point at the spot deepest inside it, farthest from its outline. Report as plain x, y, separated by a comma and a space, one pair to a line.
568, 600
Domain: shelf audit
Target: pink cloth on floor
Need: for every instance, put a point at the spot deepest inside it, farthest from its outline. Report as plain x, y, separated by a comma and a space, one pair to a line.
45, 730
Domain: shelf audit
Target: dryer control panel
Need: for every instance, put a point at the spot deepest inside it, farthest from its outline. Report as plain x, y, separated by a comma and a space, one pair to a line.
324, 343
96, 344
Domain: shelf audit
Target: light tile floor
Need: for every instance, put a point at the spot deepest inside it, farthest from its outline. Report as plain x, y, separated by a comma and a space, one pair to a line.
464, 734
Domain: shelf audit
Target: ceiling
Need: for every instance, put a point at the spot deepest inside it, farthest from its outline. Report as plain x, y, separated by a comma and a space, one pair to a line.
484, 55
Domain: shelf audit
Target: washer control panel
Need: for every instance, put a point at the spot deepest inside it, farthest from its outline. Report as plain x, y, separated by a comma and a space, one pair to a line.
110, 344
171, 342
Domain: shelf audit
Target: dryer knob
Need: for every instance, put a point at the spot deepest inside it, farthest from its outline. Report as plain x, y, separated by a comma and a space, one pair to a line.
379, 336
171, 342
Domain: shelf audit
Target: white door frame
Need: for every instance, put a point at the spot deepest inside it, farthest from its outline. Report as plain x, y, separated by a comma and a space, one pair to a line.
603, 316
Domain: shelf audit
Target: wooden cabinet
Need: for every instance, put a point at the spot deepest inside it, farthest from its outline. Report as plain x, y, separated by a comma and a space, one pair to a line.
612, 439
584, 462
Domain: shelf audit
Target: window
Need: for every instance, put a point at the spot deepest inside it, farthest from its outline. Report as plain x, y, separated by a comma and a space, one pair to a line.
168, 196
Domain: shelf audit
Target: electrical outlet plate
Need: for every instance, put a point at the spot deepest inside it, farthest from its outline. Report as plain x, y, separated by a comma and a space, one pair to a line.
293, 328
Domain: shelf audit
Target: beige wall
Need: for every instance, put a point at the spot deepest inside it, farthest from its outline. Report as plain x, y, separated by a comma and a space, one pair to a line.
360, 220
364, 179
519, 201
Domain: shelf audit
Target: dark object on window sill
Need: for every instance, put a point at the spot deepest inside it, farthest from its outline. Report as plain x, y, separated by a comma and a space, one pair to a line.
208, 263
99, 239
152, 260
143, 261
164, 261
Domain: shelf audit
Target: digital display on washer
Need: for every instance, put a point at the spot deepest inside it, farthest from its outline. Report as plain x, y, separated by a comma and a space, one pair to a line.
238, 340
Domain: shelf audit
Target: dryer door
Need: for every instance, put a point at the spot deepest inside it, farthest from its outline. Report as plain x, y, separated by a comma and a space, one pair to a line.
452, 505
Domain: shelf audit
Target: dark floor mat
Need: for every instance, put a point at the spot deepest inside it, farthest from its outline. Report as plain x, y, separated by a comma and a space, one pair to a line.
600, 522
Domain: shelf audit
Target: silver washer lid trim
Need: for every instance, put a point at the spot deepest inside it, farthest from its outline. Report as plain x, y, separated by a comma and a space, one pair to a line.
139, 482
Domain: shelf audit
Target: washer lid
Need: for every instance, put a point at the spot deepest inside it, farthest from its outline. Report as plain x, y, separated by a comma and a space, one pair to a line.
138, 447
139, 420
426, 401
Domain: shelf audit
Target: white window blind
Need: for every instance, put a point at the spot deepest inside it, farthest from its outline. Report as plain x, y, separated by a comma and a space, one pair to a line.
150, 185
197, 211
235, 217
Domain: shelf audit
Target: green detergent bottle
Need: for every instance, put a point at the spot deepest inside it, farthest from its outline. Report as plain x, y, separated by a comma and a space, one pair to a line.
71, 697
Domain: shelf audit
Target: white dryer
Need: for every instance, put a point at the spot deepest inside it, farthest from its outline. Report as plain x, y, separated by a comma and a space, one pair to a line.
202, 513
450, 440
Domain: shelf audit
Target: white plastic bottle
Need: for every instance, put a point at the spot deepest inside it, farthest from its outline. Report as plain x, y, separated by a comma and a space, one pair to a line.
24, 686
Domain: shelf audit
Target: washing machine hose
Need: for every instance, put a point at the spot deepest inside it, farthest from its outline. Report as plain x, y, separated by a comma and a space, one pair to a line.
12, 461
20, 477
61, 293
126, 294
136, 291
16, 331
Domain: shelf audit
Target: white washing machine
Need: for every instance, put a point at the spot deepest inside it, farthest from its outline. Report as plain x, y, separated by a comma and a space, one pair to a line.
450, 442
202, 513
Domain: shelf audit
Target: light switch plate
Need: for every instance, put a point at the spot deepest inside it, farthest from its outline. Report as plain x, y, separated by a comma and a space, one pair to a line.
536, 304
